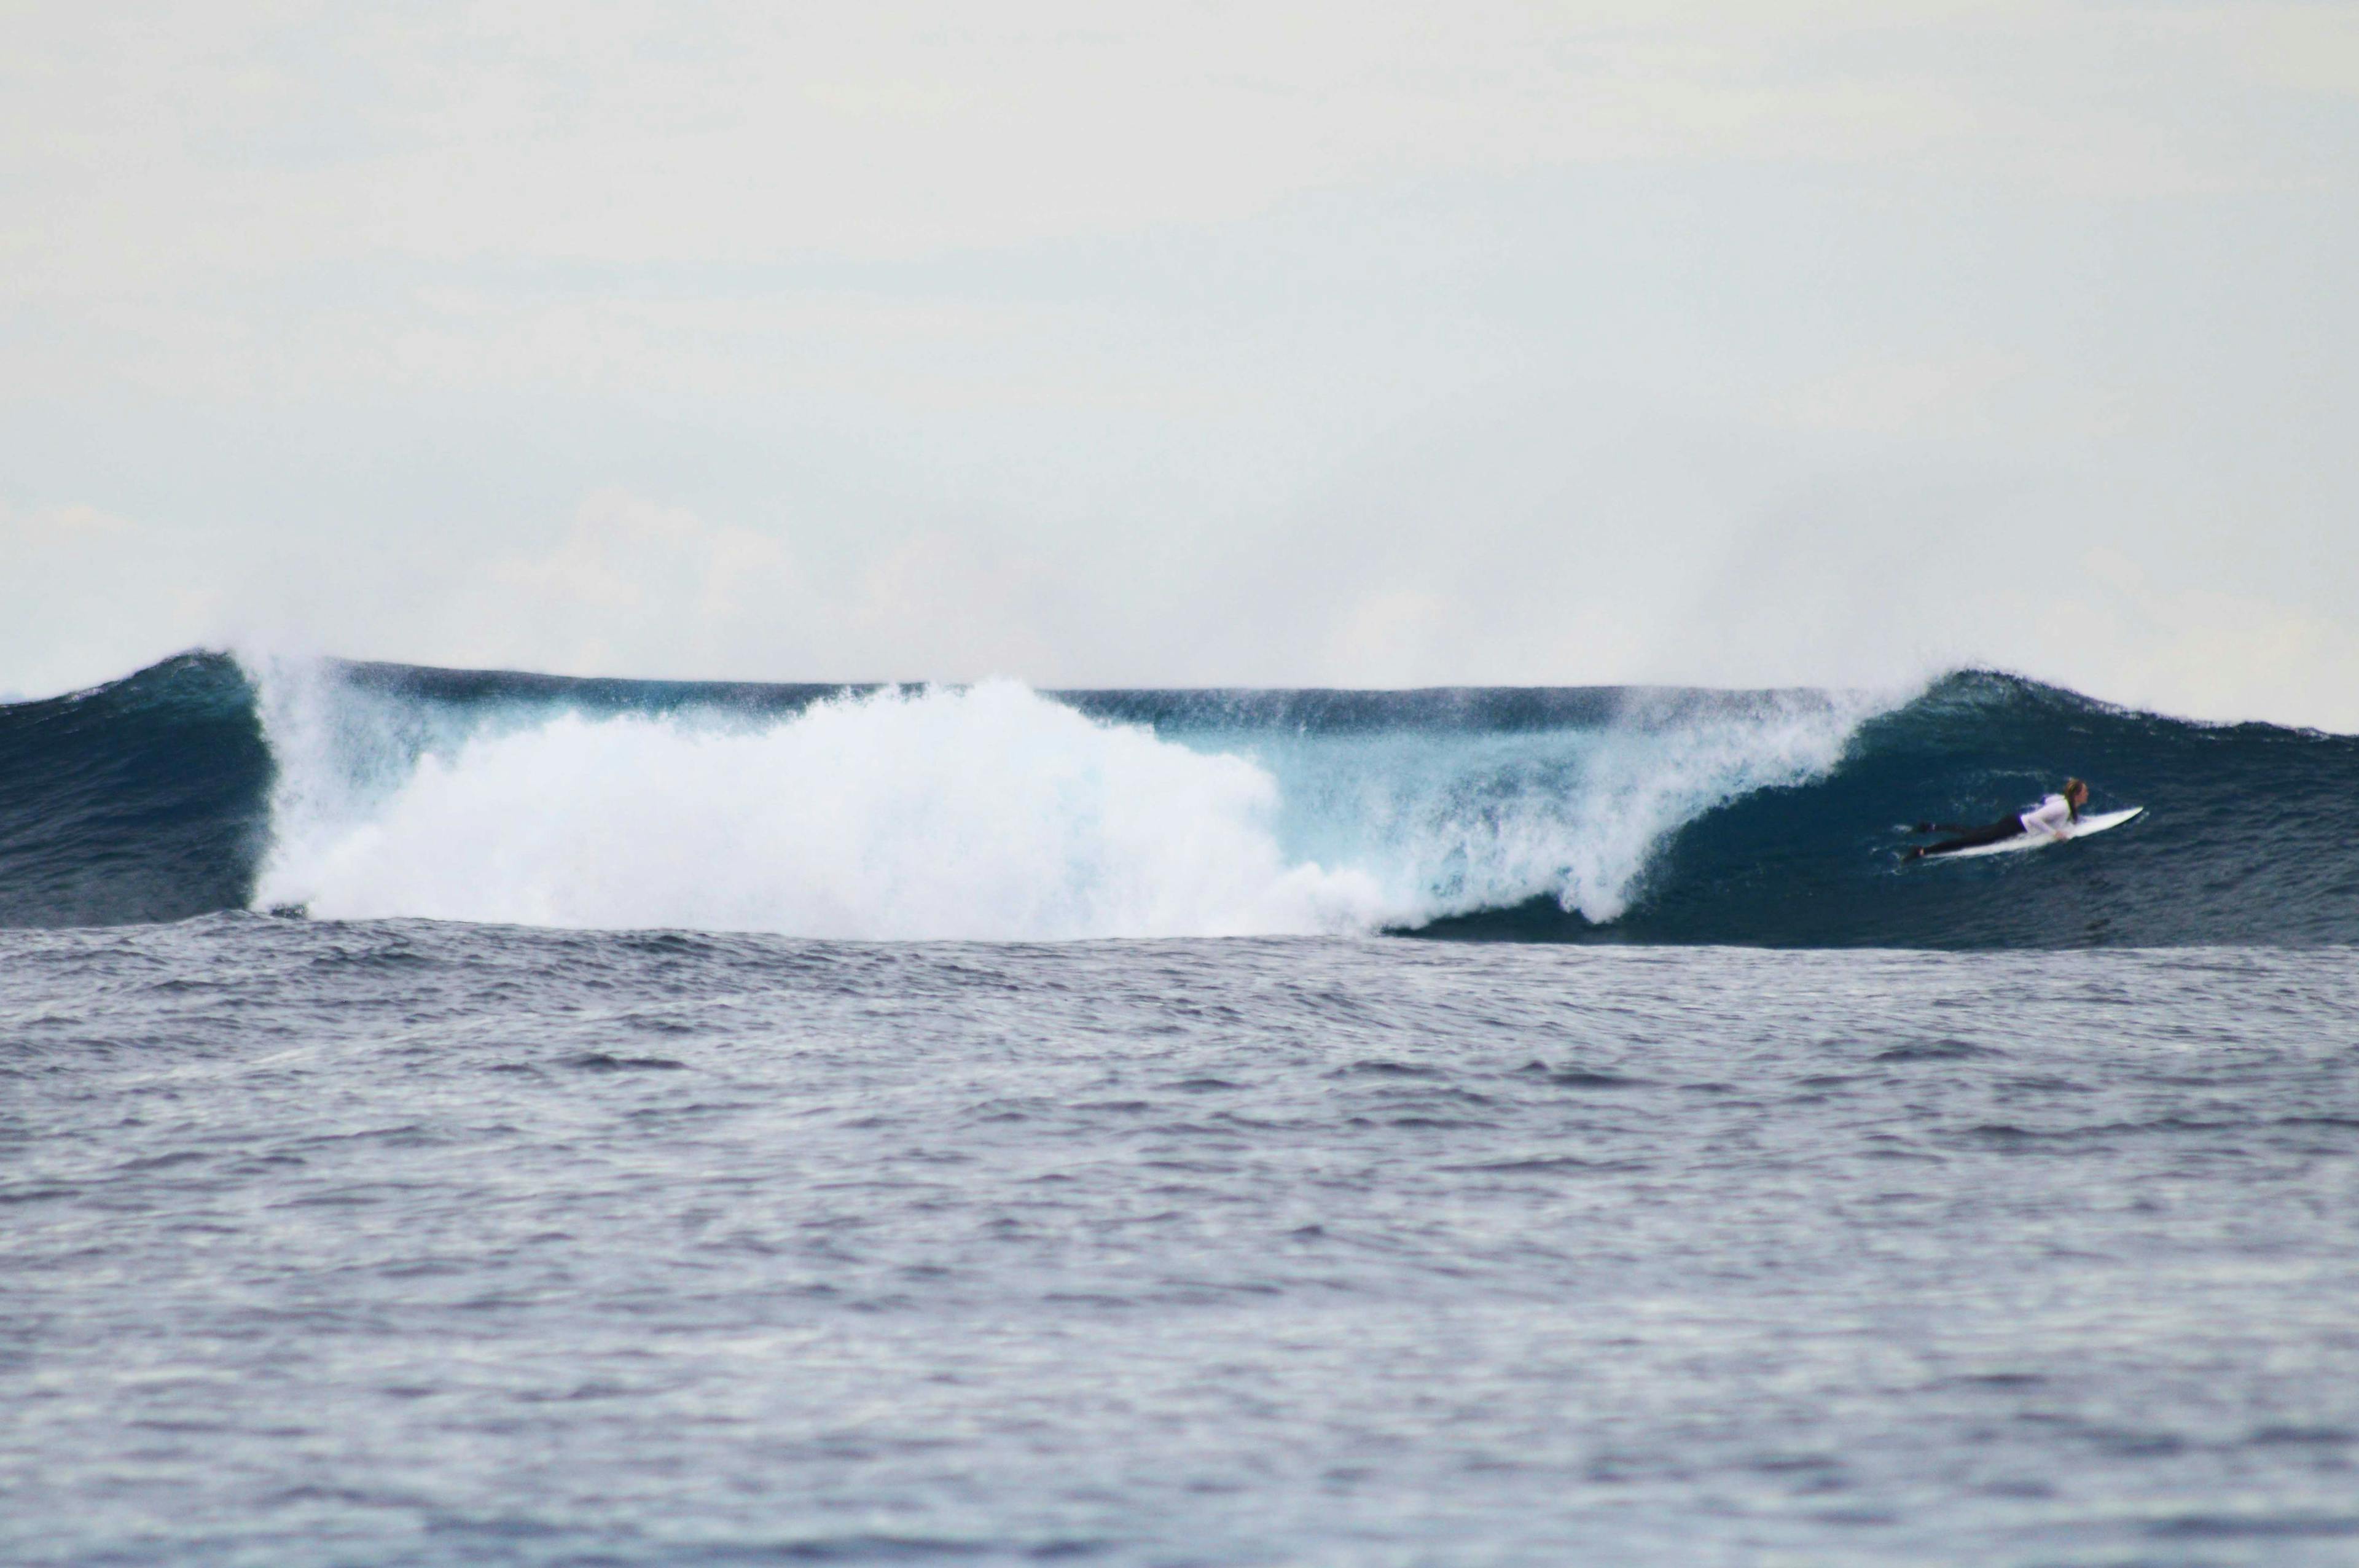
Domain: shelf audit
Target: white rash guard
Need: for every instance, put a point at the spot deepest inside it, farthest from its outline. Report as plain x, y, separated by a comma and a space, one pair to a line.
2053, 816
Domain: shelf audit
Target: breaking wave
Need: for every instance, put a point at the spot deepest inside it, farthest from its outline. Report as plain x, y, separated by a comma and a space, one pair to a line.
998, 812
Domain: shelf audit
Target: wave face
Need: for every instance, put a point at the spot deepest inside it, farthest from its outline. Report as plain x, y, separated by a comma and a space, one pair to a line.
996, 812
146, 799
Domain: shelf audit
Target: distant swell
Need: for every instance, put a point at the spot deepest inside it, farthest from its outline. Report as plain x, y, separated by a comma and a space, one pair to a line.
997, 812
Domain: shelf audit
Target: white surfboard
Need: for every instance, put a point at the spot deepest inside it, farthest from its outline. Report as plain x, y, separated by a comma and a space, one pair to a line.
2096, 822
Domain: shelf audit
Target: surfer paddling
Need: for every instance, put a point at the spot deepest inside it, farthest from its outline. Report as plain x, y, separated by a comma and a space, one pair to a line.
2054, 817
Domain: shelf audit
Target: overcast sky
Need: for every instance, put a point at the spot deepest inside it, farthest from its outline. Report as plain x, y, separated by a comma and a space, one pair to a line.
1356, 345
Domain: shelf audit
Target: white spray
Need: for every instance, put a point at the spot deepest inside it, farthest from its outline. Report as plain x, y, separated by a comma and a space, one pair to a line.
988, 811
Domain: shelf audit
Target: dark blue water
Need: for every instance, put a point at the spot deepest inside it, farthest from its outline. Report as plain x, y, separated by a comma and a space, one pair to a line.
397, 1242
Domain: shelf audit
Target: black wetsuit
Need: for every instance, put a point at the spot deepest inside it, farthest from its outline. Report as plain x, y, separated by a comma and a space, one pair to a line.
1967, 838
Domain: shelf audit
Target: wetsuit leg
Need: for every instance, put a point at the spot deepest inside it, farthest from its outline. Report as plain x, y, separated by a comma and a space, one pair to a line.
2006, 827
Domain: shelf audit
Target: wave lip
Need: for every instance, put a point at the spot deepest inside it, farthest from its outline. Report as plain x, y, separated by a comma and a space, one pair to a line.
1573, 815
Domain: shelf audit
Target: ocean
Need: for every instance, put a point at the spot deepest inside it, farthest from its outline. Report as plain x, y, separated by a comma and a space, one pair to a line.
475, 1117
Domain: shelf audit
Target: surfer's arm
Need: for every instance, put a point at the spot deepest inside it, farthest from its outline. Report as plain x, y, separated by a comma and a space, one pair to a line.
2053, 816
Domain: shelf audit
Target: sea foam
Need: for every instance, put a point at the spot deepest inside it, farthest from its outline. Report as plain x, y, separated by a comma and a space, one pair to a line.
988, 811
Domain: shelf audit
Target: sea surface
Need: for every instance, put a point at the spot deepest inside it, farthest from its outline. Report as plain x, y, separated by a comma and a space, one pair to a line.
450, 1117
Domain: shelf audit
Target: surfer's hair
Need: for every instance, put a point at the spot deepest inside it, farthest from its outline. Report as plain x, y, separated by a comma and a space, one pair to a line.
2074, 787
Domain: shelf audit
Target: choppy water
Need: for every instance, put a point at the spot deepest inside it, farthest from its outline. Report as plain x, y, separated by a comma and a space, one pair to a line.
397, 1242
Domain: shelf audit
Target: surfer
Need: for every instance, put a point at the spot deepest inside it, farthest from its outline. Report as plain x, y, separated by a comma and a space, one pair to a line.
2054, 817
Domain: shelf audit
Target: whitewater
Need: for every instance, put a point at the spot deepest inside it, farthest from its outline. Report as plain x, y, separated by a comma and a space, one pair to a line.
985, 812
